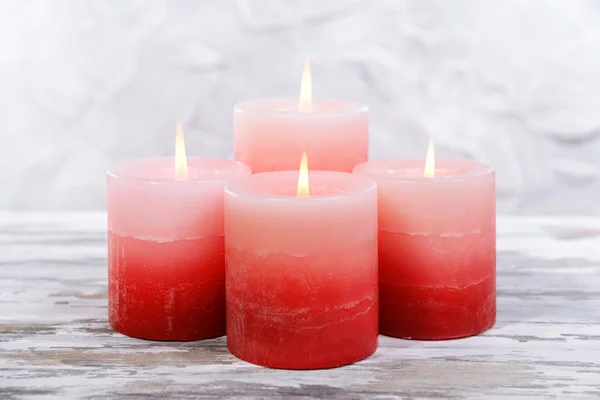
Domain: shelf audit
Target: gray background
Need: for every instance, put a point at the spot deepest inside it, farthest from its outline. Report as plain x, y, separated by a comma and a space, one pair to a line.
514, 83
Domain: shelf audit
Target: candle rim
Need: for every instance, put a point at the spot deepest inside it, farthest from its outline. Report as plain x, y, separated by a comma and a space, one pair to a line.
240, 188
250, 107
482, 169
119, 170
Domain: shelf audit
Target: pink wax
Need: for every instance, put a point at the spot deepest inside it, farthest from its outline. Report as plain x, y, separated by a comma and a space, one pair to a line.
271, 134
166, 273
437, 248
301, 273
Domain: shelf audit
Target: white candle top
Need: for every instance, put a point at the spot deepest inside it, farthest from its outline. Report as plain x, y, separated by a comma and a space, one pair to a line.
459, 199
146, 202
266, 216
283, 185
161, 170
407, 170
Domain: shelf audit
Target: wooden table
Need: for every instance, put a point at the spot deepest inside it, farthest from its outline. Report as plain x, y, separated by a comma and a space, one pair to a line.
55, 341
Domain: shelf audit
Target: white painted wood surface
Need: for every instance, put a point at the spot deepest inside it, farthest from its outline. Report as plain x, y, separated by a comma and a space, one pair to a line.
55, 341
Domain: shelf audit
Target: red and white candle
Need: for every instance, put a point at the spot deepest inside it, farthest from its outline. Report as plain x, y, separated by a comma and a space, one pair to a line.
437, 247
166, 273
270, 134
301, 272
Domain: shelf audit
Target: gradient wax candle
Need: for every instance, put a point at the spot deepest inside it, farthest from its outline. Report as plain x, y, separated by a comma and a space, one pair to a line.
270, 134
301, 274
166, 273
437, 247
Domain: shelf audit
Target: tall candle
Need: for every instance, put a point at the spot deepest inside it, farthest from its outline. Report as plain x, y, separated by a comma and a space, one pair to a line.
301, 272
437, 247
271, 133
166, 274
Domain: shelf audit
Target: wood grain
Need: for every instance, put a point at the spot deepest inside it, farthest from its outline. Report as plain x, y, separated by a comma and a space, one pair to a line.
55, 341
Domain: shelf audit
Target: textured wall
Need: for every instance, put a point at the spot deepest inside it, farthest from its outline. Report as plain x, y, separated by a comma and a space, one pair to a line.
515, 83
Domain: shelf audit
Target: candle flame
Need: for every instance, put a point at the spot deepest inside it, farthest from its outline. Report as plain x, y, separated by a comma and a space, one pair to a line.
306, 89
303, 177
181, 169
430, 161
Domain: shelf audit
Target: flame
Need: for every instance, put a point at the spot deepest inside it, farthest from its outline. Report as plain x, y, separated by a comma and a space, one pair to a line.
181, 169
306, 89
303, 177
430, 161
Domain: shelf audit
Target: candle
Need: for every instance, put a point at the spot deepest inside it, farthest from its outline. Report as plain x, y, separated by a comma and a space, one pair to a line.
301, 274
166, 274
271, 133
437, 247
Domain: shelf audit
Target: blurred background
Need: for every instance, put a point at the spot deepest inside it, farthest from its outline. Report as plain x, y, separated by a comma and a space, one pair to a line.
86, 83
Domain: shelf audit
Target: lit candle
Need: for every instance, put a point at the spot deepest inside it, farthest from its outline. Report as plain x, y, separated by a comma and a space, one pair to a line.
301, 274
166, 274
437, 246
271, 133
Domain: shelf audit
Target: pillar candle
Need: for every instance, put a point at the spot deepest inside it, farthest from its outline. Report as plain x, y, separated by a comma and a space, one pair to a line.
271, 133
166, 274
301, 273
437, 247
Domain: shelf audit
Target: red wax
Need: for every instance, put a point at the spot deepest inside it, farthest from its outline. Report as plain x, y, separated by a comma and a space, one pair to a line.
437, 248
458, 300
166, 266
167, 291
301, 274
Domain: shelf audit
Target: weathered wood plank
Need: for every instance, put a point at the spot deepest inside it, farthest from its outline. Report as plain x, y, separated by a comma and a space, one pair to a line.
55, 342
